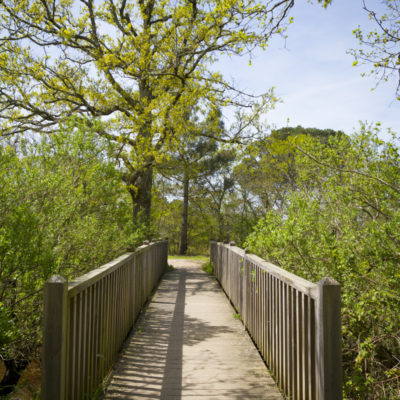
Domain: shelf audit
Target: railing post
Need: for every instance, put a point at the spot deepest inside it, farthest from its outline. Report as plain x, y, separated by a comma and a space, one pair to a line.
329, 357
54, 338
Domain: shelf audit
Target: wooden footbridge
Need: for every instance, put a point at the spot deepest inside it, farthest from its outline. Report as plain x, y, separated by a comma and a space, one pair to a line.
109, 335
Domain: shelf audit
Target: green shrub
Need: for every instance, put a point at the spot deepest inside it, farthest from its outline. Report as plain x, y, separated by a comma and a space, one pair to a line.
343, 221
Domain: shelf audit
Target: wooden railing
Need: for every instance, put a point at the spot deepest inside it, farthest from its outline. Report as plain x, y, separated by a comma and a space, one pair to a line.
87, 320
294, 323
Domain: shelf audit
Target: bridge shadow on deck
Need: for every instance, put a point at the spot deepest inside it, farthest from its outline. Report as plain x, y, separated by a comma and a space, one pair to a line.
153, 364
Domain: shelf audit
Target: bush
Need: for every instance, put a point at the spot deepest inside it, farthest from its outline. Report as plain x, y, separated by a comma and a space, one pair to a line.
64, 210
342, 222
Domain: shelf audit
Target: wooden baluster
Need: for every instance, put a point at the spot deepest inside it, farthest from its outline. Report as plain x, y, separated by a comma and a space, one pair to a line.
54, 333
329, 340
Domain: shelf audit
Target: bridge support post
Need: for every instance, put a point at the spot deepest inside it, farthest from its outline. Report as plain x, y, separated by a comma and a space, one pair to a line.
329, 338
54, 338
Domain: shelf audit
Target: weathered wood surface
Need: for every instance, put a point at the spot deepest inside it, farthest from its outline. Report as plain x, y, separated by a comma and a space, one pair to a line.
87, 320
189, 345
295, 323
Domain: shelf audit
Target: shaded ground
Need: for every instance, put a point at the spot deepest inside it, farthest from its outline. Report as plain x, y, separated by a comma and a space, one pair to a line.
29, 384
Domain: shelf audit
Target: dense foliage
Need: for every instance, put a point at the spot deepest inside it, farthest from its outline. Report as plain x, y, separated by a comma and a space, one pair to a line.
331, 203
138, 65
229, 188
63, 210
341, 220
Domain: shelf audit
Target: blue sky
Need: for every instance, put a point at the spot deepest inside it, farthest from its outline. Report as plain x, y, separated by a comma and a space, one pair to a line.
313, 75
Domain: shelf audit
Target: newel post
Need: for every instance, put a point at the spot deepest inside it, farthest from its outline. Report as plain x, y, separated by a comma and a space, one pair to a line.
328, 341
54, 338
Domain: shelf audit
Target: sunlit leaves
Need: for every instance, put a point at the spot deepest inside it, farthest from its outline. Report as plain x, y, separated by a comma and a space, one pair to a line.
380, 47
64, 210
341, 220
138, 65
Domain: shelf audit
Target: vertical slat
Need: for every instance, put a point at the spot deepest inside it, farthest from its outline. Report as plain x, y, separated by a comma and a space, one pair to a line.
257, 297
107, 325
84, 352
294, 344
90, 343
263, 308
125, 301
289, 390
299, 326
117, 314
284, 337
313, 355
94, 334
113, 318
276, 330
260, 311
78, 349
270, 327
253, 298
54, 349
101, 333
70, 348
130, 283
136, 287
122, 284
74, 344
272, 323
329, 340
280, 328
306, 349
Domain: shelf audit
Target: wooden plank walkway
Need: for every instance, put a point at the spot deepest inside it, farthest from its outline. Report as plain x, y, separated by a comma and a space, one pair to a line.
189, 345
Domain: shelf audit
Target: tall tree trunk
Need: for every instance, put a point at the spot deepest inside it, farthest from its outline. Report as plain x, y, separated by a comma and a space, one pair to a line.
222, 236
141, 187
140, 190
185, 206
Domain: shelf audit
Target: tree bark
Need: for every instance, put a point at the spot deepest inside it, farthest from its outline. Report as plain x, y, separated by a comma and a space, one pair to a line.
185, 206
140, 190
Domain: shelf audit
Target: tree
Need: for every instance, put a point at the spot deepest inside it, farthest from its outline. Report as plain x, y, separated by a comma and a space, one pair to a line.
137, 64
193, 161
380, 47
342, 221
191, 191
215, 186
63, 210
268, 170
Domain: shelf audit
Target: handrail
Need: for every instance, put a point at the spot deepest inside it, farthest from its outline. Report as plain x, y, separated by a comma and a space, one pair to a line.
87, 320
294, 323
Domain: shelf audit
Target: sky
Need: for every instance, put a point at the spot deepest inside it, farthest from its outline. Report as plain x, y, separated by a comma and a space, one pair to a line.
313, 75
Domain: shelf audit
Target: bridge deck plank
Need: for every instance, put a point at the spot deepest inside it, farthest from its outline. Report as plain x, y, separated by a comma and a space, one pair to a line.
189, 345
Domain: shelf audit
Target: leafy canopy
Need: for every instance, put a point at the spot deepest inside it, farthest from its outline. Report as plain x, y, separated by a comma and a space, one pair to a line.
64, 210
341, 220
139, 65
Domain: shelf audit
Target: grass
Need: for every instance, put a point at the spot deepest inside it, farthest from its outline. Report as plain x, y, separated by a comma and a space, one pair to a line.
205, 260
207, 268
197, 258
237, 316
170, 267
